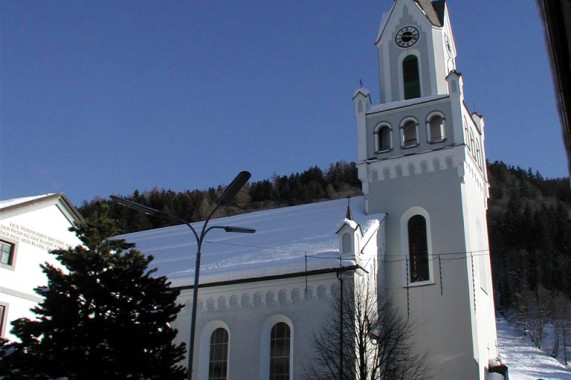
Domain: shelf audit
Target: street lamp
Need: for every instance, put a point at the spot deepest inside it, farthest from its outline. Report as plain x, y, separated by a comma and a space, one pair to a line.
228, 194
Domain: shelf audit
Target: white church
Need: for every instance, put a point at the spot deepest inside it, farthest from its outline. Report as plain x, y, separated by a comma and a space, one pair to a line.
419, 232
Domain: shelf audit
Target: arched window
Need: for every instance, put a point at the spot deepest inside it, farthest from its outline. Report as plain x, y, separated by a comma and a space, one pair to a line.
409, 134
218, 362
280, 352
479, 156
383, 138
418, 249
467, 134
436, 128
411, 77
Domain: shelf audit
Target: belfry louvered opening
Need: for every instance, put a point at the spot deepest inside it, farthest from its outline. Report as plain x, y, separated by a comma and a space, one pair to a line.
411, 77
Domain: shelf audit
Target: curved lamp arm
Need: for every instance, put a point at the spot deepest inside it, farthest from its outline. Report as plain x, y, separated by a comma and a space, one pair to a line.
230, 191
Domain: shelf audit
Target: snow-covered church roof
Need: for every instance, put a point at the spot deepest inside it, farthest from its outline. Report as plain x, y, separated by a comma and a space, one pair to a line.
287, 240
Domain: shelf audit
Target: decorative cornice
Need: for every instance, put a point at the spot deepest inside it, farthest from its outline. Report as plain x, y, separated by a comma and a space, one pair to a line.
425, 162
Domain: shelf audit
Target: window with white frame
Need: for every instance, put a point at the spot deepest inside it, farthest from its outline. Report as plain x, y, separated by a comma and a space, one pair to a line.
280, 352
218, 362
6, 253
3, 315
409, 133
383, 138
435, 128
418, 261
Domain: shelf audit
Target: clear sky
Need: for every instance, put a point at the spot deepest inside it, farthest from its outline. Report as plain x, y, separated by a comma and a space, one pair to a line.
106, 97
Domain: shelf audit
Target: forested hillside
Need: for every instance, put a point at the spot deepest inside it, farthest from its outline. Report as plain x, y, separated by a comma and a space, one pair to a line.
338, 181
529, 220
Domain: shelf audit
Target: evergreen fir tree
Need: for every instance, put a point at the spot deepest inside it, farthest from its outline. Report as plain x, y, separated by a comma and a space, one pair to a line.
105, 316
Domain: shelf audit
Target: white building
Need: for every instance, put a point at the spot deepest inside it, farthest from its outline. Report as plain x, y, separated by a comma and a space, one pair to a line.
29, 228
420, 231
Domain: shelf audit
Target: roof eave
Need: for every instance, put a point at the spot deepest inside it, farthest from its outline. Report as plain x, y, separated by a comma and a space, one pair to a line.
65, 206
274, 277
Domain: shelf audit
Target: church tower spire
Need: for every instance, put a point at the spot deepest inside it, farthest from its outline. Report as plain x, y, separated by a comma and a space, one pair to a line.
349, 214
421, 160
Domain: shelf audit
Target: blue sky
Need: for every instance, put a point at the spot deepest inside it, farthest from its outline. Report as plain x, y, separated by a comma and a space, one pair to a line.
106, 97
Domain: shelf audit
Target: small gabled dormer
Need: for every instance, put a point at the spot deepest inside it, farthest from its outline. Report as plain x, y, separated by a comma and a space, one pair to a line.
350, 235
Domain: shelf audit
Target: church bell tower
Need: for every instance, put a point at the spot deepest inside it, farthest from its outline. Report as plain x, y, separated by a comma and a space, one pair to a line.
421, 160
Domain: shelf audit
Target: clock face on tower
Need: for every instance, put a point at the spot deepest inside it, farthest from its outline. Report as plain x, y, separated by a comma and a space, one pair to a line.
407, 36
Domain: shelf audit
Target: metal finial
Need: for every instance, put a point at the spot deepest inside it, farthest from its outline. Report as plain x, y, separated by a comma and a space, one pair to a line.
349, 213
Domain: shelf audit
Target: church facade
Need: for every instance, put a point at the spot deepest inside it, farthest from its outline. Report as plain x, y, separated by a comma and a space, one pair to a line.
419, 233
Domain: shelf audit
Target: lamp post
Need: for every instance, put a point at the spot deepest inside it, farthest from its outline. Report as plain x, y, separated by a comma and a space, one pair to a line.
228, 194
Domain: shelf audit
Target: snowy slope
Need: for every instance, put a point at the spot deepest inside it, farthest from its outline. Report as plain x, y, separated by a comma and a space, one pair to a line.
524, 360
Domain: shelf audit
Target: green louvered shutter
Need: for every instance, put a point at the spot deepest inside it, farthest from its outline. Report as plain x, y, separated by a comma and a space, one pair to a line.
411, 78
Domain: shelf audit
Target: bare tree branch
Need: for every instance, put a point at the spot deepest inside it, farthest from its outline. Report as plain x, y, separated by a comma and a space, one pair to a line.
364, 338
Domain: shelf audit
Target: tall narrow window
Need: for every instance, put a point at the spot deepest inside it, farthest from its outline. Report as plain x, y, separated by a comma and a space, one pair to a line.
347, 243
218, 364
409, 134
280, 352
383, 138
411, 77
418, 249
6, 253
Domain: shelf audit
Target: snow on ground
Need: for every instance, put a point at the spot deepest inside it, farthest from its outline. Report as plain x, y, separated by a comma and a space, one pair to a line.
524, 360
